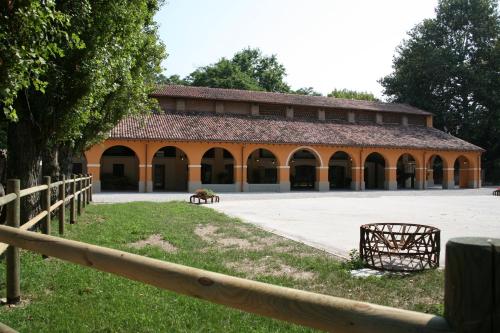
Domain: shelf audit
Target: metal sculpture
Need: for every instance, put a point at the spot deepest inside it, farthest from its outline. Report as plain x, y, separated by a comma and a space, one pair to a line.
399, 247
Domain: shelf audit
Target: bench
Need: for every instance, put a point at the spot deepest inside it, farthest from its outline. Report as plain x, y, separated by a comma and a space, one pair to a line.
496, 193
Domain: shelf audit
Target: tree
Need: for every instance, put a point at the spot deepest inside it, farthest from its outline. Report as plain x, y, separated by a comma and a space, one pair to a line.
249, 69
450, 66
352, 94
90, 88
309, 91
172, 79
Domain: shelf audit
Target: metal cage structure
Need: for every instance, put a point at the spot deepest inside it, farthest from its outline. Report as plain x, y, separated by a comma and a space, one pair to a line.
399, 247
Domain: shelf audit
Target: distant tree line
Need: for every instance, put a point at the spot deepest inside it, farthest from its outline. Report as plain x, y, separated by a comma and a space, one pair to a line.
249, 69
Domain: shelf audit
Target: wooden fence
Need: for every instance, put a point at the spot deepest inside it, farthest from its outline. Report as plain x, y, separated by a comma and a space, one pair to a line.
472, 293
77, 196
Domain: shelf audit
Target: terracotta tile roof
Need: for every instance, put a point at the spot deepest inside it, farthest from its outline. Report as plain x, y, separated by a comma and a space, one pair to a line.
191, 126
279, 98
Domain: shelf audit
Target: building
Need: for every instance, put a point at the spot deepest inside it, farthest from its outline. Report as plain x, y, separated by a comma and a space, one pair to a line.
235, 140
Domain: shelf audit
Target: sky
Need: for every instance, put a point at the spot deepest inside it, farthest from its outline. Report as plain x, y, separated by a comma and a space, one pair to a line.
324, 44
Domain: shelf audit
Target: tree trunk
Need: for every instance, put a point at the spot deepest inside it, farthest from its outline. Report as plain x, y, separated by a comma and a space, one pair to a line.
24, 147
65, 156
50, 167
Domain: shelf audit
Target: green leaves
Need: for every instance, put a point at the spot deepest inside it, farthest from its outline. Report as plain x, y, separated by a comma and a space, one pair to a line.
352, 94
450, 66
31, 32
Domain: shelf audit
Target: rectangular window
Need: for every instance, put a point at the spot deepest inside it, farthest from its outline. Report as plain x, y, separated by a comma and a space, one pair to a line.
278, 111
416, 121
118, 170
393, 119
366, 117
304, 113
336, 115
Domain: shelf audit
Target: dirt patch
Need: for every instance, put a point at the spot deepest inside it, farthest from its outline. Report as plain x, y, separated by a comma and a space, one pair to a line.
210, 233
206, 232
154, 240
270, 267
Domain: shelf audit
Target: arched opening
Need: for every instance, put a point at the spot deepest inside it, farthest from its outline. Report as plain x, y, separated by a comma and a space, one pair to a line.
461, 172
170, 170
374, 175
435, 172
79, 165
119, 169
340, 171
303, 165
217, 167
262, 168
405, 173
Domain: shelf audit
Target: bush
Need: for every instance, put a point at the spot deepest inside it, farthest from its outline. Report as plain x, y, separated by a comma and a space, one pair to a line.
354, 261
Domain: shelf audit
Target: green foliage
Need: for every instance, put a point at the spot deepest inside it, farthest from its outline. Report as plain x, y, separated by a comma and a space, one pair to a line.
309, 91
450, 66
32, 34
354, 262
249, 69
352, 94
172, 79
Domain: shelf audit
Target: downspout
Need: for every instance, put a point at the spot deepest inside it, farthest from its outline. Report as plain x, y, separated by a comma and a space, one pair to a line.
242, 182
361, 168
146, 172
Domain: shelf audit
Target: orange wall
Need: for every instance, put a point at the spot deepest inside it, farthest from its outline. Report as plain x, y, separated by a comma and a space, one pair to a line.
194, 151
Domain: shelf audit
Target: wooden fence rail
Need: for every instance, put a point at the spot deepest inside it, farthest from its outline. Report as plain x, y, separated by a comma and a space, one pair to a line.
472, 287
296, 306
12, 200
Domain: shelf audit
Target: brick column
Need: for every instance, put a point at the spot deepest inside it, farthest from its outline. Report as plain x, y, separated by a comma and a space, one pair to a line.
448, 178
391, 182
356, 182
419, 178
284, 178
95, 170
142, 178
322, 184
194, 176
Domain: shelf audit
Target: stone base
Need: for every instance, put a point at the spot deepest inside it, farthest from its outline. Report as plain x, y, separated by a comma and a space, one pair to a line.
193, 186
391, 185
149, 186
284, 186
322, 186
362, 186
261, 187
449, 185
473, 184
355, 186
142, 186
96, 186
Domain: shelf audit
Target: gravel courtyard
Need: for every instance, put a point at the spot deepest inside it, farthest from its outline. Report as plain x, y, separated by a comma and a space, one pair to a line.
331, 220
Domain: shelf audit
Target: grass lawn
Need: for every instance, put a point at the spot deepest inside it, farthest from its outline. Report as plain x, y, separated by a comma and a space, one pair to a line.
63, 297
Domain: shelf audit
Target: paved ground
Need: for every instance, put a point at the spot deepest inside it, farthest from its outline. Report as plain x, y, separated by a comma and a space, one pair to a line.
331, 220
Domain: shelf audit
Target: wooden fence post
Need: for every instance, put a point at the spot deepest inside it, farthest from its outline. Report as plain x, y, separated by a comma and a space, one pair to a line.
472, 284
79, 197
12, 255
72, 206
84, 191
91, 188
88, 189
62, 208
46, 205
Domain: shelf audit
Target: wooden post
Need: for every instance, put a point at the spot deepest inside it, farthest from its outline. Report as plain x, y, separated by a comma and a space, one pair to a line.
12, 255
79, 197
88, 189
472, 284
72, 206
84, 191
46, 205
62, 208
91, 188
